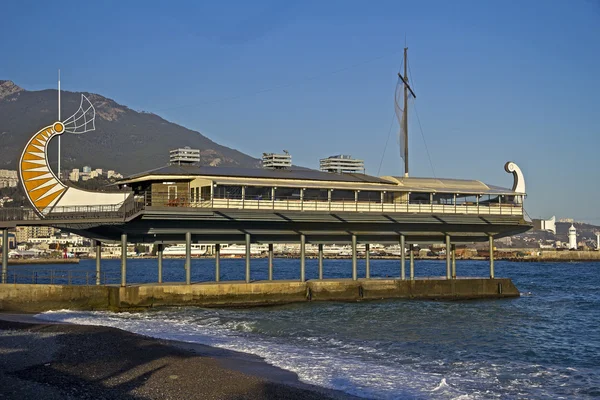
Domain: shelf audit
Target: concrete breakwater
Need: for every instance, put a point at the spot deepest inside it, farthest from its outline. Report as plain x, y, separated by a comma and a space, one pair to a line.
39, 298
30, 261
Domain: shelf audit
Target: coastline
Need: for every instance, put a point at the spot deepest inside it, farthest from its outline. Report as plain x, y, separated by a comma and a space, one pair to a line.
57, 360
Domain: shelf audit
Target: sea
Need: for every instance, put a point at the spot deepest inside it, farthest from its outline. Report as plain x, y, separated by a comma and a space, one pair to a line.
543, 345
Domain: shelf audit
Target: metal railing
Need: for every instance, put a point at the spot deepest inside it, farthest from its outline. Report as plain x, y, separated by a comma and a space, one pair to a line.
346, 205
60, 277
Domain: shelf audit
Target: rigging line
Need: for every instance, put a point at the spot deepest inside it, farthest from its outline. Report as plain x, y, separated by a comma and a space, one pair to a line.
424, 141
419, 121
281, 86
386, 142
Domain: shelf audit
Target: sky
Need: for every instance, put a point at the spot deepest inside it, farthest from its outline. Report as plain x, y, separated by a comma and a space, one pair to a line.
495, 80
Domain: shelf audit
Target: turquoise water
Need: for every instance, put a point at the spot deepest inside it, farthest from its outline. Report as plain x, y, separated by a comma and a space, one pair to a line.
545, 344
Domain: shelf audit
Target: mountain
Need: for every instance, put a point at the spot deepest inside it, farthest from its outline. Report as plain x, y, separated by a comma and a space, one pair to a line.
125, 140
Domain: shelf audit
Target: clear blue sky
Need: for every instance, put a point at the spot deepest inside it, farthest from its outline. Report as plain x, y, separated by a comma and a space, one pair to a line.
495, 80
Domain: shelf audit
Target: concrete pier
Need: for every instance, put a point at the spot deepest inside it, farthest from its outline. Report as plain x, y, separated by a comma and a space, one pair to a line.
354, 259
448, 262
453, 249
188, 258
367, 261
491, 257
123, 259
320, 260
412, 262
38, 298
217, 262
159, 255
402, 258
4, 255
270, 261
98, 260
302, 258
248, 255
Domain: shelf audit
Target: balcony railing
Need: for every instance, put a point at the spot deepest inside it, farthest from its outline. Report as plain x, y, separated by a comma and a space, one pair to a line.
306, 204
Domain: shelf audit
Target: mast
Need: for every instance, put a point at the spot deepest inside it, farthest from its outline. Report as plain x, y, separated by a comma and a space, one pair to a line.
405, 116
59, 121
404, 127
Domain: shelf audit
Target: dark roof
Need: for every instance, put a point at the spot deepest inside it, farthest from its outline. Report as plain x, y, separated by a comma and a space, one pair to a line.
302, 174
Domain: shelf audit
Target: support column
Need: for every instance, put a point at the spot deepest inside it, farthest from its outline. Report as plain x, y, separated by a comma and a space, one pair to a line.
402, 259
448, 251
367, 261
354, 269
188, 258
98, 260
302, 258
159, 253
217, 262
453, 247
270, 261
123, 259
4, 254
491, 257
320, 260
412, 261
247, 258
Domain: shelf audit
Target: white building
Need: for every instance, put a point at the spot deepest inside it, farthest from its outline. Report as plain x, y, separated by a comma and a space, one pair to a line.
184, 155
74, 175
545, 224
277, 161
8, 178
572, 237
597, 240
342, 164
112, 174
87, 170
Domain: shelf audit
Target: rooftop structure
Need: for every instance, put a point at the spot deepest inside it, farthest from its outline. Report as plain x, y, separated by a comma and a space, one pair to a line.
545, 224
277, 161
184, 155
342, 164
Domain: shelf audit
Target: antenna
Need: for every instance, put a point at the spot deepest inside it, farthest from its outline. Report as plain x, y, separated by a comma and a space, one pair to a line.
59, 121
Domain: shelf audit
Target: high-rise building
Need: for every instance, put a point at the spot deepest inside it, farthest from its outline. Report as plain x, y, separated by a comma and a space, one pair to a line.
342, 163
184, 155
87, 170
277, 161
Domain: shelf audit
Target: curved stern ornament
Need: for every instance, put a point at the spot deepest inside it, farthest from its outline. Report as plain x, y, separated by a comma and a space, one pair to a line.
518, 180
42, 187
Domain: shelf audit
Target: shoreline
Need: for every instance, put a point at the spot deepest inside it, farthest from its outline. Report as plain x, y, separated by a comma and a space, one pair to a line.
85, 361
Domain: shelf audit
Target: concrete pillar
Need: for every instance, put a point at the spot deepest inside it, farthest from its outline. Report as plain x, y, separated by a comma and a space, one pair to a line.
367, 261
98, 260
4, 255
247, 258
217, 262
453, 247
354, 269
302, 258
320, 260
188, 258
270, 261
491, 257
123, 259
448, 251
159, 253
412, 261
402, 259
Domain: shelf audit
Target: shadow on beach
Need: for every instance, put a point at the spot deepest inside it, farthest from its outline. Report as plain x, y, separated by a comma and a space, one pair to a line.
63, 361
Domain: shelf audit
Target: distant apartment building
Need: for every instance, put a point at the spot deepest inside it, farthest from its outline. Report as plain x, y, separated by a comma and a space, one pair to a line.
12, 242
87, 169
98, 171
112, 174
545, 224
8, 178
184, 155
276, 161
74, 175
26, 233
342, 163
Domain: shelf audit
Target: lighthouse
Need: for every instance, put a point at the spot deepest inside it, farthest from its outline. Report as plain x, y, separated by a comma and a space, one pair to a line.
572, 238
